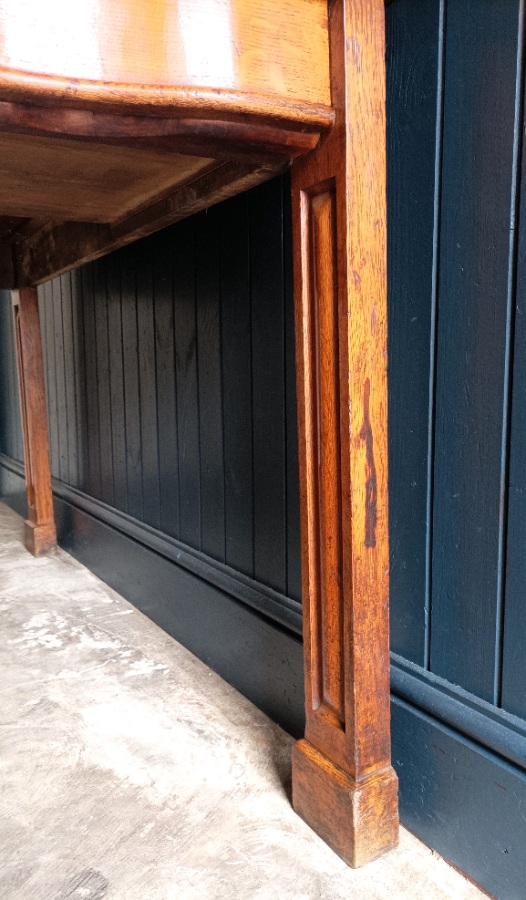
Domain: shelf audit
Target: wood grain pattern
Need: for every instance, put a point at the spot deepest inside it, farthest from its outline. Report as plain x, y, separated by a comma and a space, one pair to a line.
98, 182
56, 248
358, 820
151, 98
319, 224
339, 221
40, 532
141, 54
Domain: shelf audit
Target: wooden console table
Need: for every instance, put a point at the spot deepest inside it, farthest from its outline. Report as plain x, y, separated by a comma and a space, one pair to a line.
119, 117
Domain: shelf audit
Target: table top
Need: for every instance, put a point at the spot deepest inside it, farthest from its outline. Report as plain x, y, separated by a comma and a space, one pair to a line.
118, 117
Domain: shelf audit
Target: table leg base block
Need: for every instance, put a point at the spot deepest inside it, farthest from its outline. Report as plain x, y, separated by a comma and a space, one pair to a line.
359, 821
40, 539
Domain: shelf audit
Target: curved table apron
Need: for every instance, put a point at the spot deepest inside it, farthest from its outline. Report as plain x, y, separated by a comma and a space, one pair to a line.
119, 117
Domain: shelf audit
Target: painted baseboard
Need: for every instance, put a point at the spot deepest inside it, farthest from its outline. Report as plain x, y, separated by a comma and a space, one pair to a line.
244, 631
458, 759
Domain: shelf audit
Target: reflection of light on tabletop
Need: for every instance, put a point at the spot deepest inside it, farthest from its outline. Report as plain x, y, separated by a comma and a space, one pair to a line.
206, 35
54, 37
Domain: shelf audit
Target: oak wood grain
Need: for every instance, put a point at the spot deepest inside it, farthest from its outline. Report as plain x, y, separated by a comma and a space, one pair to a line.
156, 53
339, 218
57, 247
111, 107
98, 183
40, 533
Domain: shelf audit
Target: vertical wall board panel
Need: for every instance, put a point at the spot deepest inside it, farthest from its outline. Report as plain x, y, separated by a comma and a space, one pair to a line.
147, 383
50, 363
412, 72
479, 100
92, 382
18, 441
116, 382
266, 268
5, 336
130, 350
69, 379
79, 374
462, 801
183, 249
514, 654
62, 410
293, 586
103, 381
237, 385
13, 494
15, 427
43, 333
166, 387
208, 318
10, 428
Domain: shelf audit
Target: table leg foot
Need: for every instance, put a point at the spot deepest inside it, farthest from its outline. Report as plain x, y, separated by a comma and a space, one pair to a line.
358, 820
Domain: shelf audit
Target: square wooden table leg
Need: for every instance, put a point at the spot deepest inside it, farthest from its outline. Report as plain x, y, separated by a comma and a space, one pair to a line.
343, 782
40, 531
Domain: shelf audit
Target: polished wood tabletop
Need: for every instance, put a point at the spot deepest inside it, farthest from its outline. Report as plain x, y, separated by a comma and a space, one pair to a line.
158, 52
123, 116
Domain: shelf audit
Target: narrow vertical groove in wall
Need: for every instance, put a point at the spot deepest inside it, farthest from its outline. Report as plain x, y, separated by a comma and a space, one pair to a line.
124, 474
293, 580
54, 423
221, 407
97, 379
139, 481
110, 381
508, 355
175, 402
92, 386
69, 377
82, 344
198, 406
65, 306
428, 599
251, 343
222, 392
156, 396
284, 371
76, 374
61, 380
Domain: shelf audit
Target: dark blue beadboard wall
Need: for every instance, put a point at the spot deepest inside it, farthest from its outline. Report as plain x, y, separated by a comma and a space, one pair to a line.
456, 236
170, 380
171, 396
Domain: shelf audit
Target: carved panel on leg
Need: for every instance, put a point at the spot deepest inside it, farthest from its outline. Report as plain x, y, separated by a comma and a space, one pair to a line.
40, 531
324, 539
343, 784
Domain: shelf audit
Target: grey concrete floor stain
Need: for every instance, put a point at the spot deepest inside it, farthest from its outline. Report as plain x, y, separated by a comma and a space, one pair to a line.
130, 771
87, 885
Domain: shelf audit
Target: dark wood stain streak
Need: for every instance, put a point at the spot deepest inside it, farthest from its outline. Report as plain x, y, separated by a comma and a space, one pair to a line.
366, 434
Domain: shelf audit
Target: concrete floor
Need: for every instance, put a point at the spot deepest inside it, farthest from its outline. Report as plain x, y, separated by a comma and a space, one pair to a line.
130, 771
